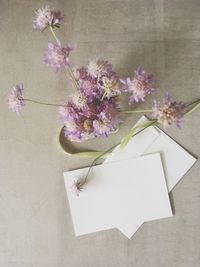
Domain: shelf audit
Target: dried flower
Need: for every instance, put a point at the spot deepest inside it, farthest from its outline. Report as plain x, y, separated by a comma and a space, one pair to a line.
16, 99
169, 111
110, 86
99, 68
75, 187
92, 109
79, 100
46, 17
106, 123
57, 56
66, 112
140, 86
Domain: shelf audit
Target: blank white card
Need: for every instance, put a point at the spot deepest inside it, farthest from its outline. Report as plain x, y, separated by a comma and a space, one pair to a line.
119, 192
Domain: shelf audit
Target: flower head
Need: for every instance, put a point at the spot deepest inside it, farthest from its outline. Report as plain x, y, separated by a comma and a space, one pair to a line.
67, 112
80, 73
75, 187
16, 99
99, 68
106, 122
57, 56
110, 86
47, 17
92, 110
79, 100
169, 111
140, 86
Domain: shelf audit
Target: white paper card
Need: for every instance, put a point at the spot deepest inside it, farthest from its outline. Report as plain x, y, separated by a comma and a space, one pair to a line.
176, 160
118, 193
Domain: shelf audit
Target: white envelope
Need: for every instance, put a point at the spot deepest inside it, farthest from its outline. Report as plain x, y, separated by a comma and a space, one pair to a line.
117, 193
176, 160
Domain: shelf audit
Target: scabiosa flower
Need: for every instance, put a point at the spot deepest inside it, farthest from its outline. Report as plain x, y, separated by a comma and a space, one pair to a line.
169, 111
110, 85
67, 112
79, 100
75, 187
57, 56
80, 73
92, 109
16, 99
99, 68
47, 17
140, 86
106, 123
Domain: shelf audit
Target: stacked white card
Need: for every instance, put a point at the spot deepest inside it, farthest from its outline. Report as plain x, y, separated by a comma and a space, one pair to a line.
131, 186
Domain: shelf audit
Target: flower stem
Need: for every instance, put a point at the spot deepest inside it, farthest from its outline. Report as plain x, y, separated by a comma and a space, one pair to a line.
189, 111
94, 161
193, 102
71, 74
42, 103
154, 122
54, 35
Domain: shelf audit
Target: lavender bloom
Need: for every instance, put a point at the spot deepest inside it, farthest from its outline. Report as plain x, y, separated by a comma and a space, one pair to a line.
16, 99
106, 123
67, 112
92, 110
110, 86
89, 87
75, 187
140, 86
99, 68
57, 56
46, 17
80, 73
79, 100
169, 111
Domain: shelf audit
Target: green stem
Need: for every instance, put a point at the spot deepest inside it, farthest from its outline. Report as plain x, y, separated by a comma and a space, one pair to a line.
54, 35
193, 102
110, 150
68, 67
192, 106
189, 111
94, 161
42, 103
72, 77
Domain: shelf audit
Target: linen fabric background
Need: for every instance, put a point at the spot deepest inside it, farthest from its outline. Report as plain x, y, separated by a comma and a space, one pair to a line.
163, 36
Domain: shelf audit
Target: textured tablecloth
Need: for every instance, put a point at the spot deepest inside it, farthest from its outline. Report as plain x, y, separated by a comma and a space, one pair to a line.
35, 224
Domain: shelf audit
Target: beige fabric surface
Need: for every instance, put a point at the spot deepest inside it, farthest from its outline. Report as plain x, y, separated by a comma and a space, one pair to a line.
35, 224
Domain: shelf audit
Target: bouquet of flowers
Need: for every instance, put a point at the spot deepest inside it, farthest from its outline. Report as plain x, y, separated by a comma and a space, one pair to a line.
93, 108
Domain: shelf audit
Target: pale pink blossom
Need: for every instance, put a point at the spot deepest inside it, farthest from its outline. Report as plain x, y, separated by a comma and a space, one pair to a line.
16, 99
168, 112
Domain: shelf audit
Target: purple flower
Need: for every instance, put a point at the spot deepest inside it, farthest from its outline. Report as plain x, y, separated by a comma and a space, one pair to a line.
92, 110
80, 73
140, 86
16, 99
169, 111
106, 123
89, 87
75, 187
99, 68
67, 112
57, 56
110, 86
79, 100
46, 17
